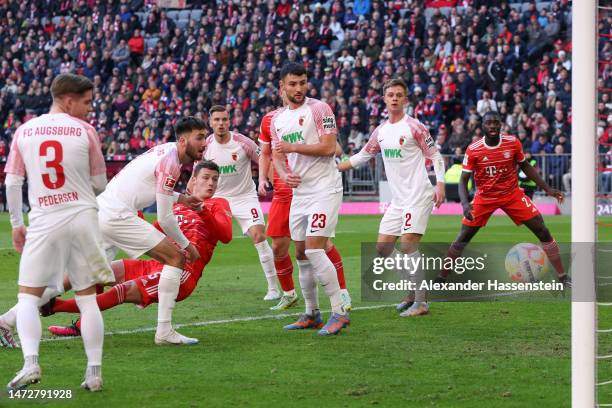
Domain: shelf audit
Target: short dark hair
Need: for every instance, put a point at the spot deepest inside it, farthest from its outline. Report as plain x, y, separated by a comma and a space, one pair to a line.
205, 164
395, 82
65, 84
188, 124
493, 113
216, 108
293, 68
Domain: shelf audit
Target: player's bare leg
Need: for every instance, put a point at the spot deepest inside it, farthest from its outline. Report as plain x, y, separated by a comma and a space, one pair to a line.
550, 247
266, 258
284, 271
456, 248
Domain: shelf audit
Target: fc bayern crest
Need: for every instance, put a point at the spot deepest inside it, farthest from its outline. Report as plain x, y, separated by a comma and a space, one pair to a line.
234, 156
506, 155
402, 140
301, 121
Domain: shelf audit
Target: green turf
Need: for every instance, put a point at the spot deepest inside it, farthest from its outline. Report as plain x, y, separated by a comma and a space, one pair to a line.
488, 354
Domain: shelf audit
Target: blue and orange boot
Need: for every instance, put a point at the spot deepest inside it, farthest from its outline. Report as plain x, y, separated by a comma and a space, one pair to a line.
335, 323
306, 321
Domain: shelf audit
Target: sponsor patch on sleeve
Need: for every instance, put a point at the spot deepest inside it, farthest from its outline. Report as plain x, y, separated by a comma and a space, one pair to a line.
465, 160
429, 141
169, 183
329, 122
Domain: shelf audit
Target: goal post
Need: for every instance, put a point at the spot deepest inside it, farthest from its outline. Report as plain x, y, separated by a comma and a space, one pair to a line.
584, 233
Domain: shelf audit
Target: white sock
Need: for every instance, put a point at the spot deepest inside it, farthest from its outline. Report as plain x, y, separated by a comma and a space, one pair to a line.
417, 276
28, 325
167, 291
326, 274
308, 285
92, 328
10, 317
266, 258
47, 295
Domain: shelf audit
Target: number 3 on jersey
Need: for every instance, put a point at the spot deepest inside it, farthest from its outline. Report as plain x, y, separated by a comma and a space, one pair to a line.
53, 152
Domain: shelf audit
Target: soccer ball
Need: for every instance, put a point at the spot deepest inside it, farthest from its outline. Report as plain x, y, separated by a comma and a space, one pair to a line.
526, 263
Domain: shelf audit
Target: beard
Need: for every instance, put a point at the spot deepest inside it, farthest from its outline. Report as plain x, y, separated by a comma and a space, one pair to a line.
293, 99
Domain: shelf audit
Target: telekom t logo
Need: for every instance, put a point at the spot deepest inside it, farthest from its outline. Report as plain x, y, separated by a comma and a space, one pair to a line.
491, 170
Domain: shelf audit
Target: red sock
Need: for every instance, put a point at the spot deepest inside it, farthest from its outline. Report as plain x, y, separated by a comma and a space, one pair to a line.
552, 251
454, 252
335, 258
284, 271
115, 296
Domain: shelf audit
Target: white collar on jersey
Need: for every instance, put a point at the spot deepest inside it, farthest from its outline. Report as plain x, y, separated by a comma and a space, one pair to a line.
484, 142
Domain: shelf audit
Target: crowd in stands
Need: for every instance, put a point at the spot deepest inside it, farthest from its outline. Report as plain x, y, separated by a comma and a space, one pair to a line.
151, 65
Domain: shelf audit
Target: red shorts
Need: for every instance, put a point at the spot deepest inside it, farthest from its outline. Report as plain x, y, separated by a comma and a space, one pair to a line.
278, 219
517, 205
146, 275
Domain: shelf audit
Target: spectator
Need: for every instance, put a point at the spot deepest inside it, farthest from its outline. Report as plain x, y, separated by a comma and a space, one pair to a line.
486, 104
541, 145
137, 47
558, 166
121, 55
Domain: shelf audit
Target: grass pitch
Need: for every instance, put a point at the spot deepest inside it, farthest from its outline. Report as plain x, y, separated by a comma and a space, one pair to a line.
487, 354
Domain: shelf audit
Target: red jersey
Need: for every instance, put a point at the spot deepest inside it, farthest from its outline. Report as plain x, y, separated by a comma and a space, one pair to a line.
281, 190
494, 167
204, 229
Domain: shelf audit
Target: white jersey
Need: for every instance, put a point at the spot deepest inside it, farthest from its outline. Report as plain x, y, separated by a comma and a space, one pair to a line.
234, 160
307, 125
59, 154
137, 184
404, 146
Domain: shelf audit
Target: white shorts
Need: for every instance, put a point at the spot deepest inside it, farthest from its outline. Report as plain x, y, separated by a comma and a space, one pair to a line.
129, 233
398, 220
314, 216
246, 211
75, 248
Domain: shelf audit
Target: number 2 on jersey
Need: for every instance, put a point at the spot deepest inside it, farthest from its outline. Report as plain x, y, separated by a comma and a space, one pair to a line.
53, 163
407, 223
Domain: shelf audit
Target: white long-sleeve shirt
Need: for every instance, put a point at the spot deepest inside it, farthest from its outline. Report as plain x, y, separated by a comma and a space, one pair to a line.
404, 146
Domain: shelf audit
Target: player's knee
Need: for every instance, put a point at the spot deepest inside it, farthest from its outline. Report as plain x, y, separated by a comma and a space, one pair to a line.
300, 255
385, 249
132, 294
279, 251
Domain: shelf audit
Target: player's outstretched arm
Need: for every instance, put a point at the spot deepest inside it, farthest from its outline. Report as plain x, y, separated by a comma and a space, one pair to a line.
14, 184
533, 175
326, 147
464, 195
